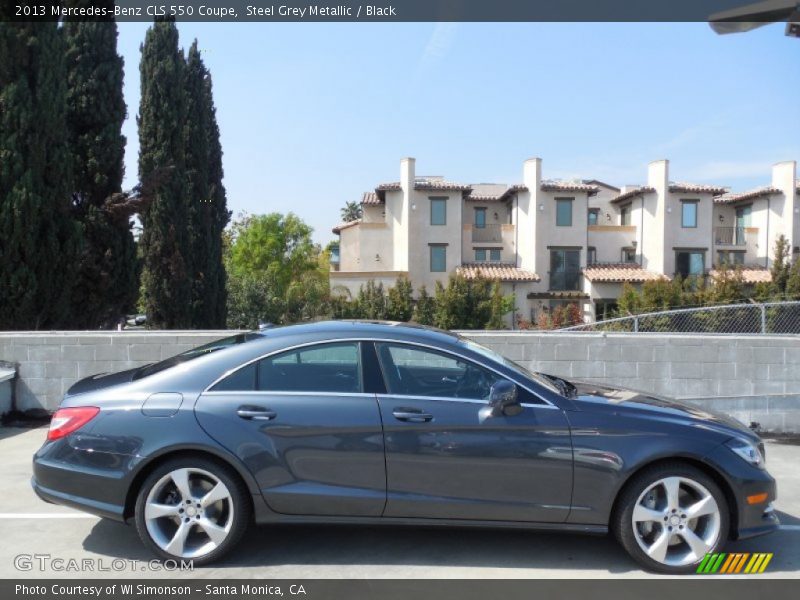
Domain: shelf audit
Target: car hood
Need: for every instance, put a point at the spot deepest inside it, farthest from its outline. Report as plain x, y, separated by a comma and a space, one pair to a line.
589, 396
100, 381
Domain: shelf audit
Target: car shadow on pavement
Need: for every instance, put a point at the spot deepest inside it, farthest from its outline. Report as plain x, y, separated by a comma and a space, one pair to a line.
302, 546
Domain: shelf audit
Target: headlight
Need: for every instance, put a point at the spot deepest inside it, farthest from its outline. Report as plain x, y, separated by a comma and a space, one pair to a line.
747, 450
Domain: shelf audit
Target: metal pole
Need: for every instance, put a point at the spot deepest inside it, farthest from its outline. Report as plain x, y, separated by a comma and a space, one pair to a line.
763, 318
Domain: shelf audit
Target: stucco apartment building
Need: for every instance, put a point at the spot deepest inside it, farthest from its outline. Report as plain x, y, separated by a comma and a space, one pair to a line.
556, 242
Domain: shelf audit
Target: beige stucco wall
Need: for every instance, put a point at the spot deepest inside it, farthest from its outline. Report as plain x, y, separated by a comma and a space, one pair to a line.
422, 234
609, 240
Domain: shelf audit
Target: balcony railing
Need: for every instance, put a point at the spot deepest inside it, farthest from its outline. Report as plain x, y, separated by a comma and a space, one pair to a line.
730, 236
565, 280
489, 233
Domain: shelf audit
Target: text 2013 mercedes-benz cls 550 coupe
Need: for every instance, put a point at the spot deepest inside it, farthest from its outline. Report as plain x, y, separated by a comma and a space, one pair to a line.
355, 422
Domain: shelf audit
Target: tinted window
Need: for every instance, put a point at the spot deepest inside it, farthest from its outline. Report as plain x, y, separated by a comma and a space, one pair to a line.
323, 368
233, 340
494, 254
480, 218
243, 380
413, 371
689, 213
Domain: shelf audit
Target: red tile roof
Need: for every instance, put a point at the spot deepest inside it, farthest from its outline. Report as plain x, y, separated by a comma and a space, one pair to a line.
558, 186
426, 184
371, 199
501, 271
620, 273
645, 189
749, 274
341, 226
748, 195
696, 188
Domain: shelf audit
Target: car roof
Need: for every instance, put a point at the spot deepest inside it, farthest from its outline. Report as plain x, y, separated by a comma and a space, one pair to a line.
362, 328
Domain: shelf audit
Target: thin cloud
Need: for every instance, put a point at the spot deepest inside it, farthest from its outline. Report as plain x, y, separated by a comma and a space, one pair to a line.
439, 45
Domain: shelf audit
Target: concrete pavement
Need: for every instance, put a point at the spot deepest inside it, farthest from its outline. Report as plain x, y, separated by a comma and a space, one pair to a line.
30, 526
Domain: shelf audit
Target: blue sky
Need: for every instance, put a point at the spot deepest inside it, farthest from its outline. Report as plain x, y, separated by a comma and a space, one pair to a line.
312, 115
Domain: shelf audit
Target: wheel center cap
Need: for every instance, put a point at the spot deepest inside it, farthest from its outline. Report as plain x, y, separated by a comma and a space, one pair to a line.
190, 511
674, 520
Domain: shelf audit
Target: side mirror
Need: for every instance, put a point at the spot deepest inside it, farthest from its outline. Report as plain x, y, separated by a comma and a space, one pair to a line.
503, 399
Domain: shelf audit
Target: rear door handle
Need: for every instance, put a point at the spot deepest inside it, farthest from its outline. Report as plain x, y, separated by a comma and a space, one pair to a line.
411, 415
256, 413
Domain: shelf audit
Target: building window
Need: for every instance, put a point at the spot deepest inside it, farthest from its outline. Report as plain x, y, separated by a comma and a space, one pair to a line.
480, 218
564, 212
591, 255
565, 269
688, 213
625, 215
438, 259
629, 255
730, 257
493, 254
605, 309
594, 215
690, 263
438, 211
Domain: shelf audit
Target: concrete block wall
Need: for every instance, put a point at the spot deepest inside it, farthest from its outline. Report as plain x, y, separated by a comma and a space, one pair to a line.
50, 362
755, 378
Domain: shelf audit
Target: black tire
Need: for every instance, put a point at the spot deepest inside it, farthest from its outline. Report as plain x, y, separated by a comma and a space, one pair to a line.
239, 501
622, 519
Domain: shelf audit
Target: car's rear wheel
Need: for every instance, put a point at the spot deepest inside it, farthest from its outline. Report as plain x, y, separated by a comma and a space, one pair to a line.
670, 516
192, 509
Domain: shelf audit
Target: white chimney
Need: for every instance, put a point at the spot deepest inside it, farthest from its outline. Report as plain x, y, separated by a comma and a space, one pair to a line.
407, 174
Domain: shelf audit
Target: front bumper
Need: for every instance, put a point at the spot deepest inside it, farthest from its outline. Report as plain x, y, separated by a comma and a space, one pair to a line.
744, 480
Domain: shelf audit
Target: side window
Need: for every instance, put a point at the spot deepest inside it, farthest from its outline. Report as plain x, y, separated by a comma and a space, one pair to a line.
323, 368
413, 371
243, 380
332, 367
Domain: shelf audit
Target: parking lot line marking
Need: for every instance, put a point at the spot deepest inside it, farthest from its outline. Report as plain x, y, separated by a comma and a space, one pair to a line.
46, 516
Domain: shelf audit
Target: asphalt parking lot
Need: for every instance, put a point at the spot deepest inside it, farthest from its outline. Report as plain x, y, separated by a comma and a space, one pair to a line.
32, 527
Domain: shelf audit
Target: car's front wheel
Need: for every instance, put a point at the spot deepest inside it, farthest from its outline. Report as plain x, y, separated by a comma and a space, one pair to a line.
192, 509
670, 516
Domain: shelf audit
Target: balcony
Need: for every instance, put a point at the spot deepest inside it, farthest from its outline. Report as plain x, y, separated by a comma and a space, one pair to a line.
489, 234
731, 236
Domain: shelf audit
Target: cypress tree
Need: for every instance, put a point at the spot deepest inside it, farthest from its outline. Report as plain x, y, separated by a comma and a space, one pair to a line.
207, 213
38, 238
107, 283
166, 283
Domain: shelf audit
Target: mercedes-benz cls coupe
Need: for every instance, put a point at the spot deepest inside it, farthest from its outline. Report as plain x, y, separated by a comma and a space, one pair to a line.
369, 423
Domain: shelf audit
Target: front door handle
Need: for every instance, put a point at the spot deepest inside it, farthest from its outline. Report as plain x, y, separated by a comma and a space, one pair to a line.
256, 413
411, 415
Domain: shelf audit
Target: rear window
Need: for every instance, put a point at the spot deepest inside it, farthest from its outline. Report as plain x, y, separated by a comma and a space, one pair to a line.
203, 350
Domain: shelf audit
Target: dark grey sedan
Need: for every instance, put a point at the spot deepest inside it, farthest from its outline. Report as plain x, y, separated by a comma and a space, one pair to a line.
354, 422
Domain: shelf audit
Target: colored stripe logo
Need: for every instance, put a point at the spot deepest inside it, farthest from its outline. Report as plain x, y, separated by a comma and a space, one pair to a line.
734, 563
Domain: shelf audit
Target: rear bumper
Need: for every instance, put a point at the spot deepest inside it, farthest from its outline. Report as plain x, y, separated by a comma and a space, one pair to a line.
101, 509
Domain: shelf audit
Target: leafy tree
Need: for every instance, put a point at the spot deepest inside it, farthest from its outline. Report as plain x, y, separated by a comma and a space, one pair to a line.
629, 301
39, 240
167, 289
106, 283
793, 282
499, 307
728, 286
275, 272
424, 308
351, 211
207, 211
372, 301
781, 266
400, 300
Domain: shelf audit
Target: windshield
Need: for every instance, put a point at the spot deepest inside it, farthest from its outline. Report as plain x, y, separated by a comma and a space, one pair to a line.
183, 357
499, 358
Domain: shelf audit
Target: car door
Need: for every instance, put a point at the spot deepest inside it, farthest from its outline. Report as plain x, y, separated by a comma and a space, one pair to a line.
301, 422
448, 458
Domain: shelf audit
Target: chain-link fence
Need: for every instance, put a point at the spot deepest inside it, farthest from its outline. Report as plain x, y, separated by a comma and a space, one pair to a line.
766, 318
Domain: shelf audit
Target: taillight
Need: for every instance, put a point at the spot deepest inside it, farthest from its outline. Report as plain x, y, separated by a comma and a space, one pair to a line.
67, 420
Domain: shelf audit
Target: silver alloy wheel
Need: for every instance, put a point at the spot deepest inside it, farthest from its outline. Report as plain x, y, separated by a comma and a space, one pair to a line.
676, 521
189, 512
